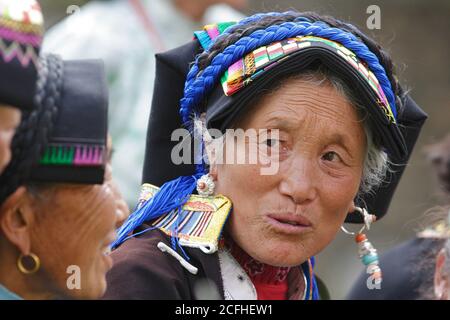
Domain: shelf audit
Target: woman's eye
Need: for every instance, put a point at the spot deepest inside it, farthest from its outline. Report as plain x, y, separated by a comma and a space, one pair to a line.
272, 142
331, 156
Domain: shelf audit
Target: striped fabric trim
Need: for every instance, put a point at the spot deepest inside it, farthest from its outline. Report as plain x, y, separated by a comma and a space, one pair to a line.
73, 155
210, 32
13, 50
245, 70
199, 222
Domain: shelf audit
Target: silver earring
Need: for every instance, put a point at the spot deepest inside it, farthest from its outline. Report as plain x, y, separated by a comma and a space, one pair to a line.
205, 185
366, 251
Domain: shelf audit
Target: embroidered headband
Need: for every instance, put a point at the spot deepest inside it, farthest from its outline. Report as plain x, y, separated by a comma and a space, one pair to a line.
254, 64
257, 60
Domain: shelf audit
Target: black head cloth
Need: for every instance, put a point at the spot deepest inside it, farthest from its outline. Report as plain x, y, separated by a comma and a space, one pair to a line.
171, 70
64, 139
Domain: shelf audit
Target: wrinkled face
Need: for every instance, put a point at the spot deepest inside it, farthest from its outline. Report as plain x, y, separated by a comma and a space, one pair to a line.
74, 228
284, 218
9, 120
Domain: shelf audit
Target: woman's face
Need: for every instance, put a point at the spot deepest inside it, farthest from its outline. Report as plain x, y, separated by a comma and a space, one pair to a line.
9, 120
73, 231
284, 218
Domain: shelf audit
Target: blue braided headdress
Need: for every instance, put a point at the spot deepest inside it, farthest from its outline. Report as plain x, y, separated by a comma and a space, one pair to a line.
198, 86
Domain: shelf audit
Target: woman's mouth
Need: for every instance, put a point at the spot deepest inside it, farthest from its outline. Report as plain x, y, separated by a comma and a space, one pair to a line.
289, 223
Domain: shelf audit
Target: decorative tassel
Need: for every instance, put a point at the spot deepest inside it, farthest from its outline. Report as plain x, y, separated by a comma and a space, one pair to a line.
369, 257
172, 195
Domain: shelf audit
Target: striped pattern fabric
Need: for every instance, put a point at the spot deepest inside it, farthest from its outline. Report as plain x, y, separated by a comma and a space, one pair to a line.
21, 31
210, 32
69, 155
185, 223
200, 221
251, 66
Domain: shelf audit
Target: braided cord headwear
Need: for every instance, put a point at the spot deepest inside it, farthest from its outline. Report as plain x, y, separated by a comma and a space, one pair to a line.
32, 135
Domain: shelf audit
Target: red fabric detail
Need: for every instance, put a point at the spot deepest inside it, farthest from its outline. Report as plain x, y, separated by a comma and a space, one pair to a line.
272, 291
270, 282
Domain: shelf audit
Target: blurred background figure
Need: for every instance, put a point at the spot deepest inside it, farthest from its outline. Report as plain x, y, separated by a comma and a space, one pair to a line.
413, 268
438, 155
126, 34
21, 28
441, 287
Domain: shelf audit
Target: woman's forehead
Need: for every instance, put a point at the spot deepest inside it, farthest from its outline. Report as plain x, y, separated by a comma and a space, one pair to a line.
299, 102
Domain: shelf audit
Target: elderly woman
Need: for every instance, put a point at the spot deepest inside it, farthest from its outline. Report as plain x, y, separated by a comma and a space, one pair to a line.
327, 116
21, 27
59, 207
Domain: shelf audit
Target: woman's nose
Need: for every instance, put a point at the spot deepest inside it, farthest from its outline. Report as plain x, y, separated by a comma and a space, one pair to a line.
298, 181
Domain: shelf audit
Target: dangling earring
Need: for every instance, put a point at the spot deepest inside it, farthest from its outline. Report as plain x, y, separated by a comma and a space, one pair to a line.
366, 251
205, 185
36, 263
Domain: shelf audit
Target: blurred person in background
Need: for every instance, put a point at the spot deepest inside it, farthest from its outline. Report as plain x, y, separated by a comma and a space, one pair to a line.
441, 284
126, 34
21, 28
438, 155
59, 207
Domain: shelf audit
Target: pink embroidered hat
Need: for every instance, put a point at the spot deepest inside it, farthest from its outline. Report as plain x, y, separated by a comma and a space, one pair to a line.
21, 31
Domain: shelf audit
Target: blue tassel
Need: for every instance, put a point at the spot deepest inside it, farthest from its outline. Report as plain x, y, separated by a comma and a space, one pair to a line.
315, 288
172, 195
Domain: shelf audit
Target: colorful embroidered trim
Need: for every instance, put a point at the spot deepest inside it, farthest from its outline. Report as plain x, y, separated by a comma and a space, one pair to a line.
198, 224
210, 32
21, 24
14, 50
247, 69
69, 155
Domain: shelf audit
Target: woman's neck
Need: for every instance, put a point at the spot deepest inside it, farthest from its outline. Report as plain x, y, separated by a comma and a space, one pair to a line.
256, 270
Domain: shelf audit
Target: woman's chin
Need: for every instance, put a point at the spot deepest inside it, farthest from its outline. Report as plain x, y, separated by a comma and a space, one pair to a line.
280, 255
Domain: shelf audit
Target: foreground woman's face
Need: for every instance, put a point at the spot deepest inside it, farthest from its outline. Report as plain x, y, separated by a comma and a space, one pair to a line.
285, 218
75, 231
9, 120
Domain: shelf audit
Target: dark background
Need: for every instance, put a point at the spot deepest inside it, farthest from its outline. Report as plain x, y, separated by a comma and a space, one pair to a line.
416, 33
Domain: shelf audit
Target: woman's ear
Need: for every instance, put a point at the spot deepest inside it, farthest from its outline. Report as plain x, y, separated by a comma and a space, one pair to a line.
352, 206
17, 218
212, 153
441, 277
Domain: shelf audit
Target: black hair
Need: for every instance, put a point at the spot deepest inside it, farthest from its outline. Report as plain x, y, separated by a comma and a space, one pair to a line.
32, 135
